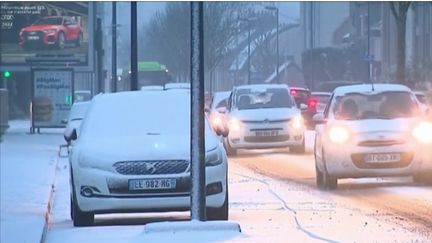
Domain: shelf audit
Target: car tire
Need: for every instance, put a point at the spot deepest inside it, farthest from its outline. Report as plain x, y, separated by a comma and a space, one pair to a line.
79, 40
219, 213
60, 40
329, 182
229, 150
79, 217
423, 177
298, 149
319, 178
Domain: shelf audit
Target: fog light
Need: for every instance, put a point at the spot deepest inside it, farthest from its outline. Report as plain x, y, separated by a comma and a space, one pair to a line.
86, 191
214, 188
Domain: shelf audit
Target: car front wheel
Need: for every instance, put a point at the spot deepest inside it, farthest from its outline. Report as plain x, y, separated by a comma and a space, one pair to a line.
79, 217
298, 149
423, 177
219, 213
328, 182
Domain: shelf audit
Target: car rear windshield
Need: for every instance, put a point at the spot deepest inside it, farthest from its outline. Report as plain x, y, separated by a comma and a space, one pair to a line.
385, 105
323, 99
300, 96
270, 98
49, 21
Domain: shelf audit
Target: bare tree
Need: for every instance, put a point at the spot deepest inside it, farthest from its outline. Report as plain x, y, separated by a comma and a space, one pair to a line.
167, 38
400, 11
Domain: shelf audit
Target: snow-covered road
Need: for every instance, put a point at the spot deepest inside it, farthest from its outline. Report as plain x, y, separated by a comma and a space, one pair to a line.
274, 199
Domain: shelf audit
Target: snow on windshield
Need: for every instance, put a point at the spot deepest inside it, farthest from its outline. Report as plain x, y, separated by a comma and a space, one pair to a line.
270, 98
385, 105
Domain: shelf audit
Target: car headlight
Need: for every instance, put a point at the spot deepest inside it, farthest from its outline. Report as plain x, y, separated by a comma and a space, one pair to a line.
50, 31
216, 120
297, 122
213, 157
423, 132
234, 125
338, 134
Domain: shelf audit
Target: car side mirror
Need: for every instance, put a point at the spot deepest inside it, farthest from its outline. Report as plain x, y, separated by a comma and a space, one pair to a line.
207, 110
319, 118
70, 134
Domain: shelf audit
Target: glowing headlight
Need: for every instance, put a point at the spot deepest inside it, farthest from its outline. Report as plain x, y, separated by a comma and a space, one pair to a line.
423, 132
297, 122
234, 125
213, 157
49, 31
216, 121
338, 134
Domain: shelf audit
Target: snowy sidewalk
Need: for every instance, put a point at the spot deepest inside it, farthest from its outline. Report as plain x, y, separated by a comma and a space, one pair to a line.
27, 166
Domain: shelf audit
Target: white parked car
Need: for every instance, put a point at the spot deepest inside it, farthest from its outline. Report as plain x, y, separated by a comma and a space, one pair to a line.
76, 116
264, 116
133, 155
371, 131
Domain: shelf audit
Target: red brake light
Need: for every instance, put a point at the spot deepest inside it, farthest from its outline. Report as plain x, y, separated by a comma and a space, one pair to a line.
312, 103
293, 92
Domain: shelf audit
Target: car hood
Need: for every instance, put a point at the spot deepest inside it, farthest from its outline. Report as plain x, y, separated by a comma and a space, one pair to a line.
399, 125
145, 147
40, 27
271, 114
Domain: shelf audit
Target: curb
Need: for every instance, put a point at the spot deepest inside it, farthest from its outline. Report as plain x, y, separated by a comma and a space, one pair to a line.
50, 202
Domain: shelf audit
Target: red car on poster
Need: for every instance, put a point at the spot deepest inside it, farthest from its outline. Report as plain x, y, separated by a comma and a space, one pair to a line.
51, 32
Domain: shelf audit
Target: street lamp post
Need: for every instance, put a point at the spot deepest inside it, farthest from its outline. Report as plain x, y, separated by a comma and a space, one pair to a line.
273, 8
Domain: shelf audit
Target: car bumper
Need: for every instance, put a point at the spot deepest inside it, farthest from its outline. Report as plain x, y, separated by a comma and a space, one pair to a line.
345, 161
46, 39
113, 195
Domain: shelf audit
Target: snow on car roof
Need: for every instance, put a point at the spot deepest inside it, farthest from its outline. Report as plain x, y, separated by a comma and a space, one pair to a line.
367, 88
261, 87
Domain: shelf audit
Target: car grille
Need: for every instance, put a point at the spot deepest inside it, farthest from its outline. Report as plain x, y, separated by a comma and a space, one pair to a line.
378, 143
358, 160
266, 121
157, 167
266, 139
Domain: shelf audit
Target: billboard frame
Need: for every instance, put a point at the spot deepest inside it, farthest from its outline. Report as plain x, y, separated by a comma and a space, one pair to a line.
33, 69
89, 65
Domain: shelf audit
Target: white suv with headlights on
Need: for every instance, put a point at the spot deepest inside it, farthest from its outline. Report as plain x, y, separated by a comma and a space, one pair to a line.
133, 155
371, 131
264, 116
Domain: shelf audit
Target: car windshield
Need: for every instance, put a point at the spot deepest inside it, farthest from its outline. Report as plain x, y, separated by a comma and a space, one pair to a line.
49, 21
385, 105
270, 98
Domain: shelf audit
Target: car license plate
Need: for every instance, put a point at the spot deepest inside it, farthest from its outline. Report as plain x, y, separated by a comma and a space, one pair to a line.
266, 133
33, 37
152, 184
382, 158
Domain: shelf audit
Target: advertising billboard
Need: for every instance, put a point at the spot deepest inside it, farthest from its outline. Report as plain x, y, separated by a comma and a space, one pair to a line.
45, 28
52, 97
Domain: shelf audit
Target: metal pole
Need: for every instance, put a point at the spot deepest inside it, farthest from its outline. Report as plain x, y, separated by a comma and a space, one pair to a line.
277, 45
114, 47
99, 58
197, 150
249, 54
368, 43
311, 45
134, 47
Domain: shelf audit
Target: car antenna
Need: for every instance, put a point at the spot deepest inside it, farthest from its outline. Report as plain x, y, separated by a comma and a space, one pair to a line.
373, 88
